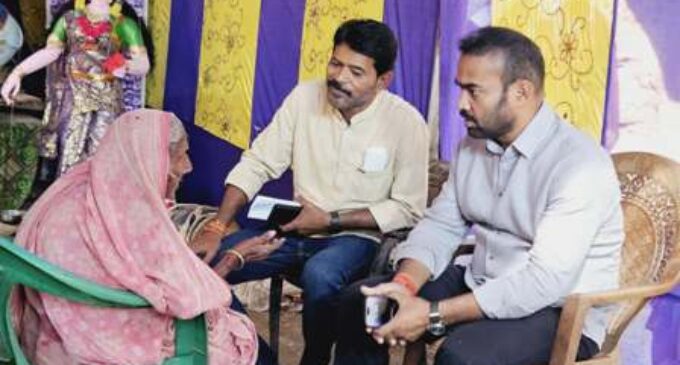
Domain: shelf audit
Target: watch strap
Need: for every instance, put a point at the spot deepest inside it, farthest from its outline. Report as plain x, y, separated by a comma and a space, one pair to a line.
434, 315
335, 225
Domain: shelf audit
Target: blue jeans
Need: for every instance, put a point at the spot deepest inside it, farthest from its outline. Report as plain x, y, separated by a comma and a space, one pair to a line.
324, 267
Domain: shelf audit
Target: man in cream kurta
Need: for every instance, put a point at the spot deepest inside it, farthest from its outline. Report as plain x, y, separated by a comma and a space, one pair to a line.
359, 157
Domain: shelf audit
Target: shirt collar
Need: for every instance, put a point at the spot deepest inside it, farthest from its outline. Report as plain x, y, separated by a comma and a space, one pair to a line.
370, 110
363, 115
537, 129
532, 135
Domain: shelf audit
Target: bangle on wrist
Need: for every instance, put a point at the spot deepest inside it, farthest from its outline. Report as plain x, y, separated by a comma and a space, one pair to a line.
406, 281
239, 256
335, 225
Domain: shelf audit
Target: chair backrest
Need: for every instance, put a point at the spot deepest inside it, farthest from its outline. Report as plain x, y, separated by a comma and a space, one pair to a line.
18, 266
650, 187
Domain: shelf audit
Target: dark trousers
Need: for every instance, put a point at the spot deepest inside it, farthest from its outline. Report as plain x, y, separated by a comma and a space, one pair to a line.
324, 267
522, 341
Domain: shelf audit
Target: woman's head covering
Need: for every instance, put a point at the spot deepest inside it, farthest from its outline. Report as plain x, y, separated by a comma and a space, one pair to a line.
106, 220
125, 220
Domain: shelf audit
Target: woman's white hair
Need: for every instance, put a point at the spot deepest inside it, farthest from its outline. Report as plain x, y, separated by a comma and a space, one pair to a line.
177, 132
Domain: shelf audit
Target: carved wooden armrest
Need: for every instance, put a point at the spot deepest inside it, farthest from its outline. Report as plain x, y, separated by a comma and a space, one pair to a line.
576, 307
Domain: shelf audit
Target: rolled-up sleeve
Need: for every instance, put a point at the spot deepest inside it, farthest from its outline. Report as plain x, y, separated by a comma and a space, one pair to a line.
434, 239
408, 195
561, 244
271, 152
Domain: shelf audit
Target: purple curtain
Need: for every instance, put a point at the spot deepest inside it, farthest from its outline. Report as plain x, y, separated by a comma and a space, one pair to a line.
610, 129
454, 23
659, 21
414, 23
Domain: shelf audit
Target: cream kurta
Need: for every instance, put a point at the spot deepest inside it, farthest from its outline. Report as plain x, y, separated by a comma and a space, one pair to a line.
379, 161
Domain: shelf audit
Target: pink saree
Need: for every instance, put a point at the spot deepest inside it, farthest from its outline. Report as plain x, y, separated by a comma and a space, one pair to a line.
105, 220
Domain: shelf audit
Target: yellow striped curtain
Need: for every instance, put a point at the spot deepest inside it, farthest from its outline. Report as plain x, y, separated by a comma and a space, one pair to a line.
574, 36
228, 54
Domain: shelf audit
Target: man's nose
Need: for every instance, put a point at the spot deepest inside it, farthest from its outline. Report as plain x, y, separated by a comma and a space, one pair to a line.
343, 76
463, 102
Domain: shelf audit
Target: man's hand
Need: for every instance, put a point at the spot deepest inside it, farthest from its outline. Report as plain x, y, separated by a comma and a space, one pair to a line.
252, 249
205, 245
410, 321
311, 219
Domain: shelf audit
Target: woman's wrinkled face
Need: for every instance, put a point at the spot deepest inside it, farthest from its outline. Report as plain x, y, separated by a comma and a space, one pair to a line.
180, 165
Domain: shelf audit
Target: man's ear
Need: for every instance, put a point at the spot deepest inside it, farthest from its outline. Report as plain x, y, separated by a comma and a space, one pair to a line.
385, 79
523, 90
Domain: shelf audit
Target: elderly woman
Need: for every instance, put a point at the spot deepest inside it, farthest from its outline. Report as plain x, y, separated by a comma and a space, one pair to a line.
106, 220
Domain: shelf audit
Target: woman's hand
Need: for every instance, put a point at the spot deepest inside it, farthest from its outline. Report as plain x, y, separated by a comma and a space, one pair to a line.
205, 244
11, 87
259, 247
252, 249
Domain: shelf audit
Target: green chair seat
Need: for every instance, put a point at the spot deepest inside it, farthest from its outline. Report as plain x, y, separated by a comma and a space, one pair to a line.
20, 267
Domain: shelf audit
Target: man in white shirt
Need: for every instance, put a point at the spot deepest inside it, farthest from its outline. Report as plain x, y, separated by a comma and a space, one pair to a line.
543, 201
359, 159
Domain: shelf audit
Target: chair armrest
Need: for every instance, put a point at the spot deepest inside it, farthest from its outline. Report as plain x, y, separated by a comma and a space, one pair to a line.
576, 308
20, 266
464, 249
381, 262
399, 234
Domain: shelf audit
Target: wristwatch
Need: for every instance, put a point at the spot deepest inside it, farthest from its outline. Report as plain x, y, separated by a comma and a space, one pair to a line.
334, 225
436, 327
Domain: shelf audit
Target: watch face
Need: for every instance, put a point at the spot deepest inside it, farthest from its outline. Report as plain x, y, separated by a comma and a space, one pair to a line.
436, 329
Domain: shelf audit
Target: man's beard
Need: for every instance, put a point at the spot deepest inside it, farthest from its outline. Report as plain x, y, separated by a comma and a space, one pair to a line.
501, 125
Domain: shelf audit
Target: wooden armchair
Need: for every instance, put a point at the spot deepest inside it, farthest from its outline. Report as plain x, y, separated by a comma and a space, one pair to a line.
650, 187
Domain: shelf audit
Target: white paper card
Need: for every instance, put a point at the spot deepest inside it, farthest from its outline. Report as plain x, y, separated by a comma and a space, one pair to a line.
262, 206
375, 159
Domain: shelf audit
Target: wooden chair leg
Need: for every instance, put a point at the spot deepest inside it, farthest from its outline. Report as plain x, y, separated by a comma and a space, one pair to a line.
275, 289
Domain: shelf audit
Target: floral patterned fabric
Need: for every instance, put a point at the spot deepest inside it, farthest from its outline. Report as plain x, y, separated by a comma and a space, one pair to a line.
82, 98
133, 97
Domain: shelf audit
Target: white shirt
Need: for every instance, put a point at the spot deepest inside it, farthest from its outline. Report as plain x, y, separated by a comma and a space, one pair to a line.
547, 217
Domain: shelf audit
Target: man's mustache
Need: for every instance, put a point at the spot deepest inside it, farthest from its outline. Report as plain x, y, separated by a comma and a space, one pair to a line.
467, 116
336, 85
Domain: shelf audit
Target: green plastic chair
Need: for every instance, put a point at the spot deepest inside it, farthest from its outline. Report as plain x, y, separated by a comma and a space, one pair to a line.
20, 267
